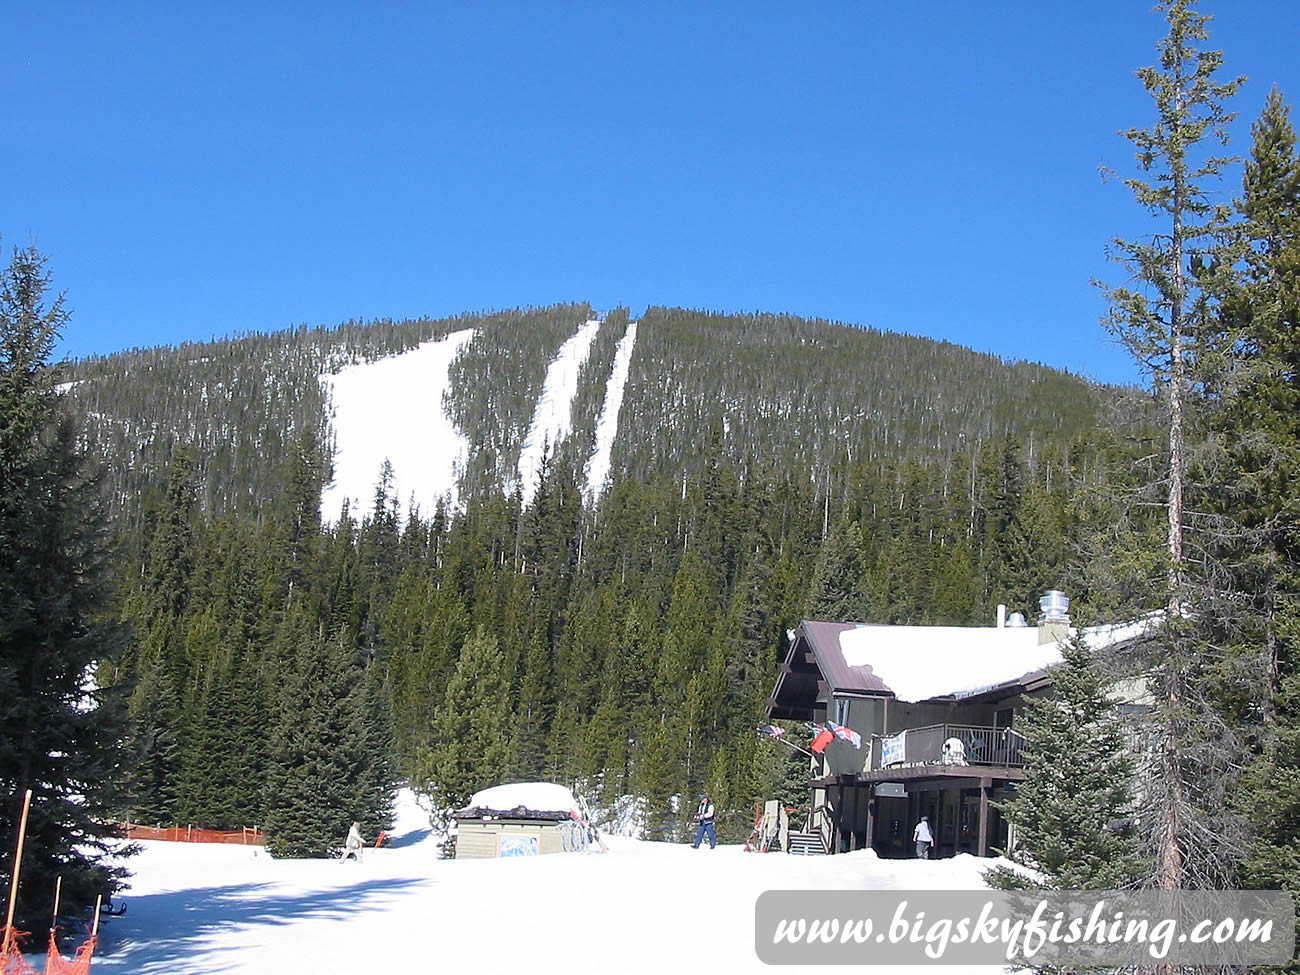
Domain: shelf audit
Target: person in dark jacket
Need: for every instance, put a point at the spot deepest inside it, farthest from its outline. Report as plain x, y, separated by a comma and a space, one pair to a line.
704, 816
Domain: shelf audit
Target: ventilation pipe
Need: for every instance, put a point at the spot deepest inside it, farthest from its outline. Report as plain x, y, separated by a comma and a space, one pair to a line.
1002, 615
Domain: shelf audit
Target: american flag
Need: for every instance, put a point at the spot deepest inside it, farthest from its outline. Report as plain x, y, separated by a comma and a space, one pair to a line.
773, 730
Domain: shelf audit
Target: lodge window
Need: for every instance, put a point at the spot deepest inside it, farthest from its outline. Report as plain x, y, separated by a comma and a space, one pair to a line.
841, 711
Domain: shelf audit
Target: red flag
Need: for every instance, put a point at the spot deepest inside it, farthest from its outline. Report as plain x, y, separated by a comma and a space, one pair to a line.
824, 738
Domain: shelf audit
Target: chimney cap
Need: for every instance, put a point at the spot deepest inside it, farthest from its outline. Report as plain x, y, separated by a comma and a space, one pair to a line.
1055, 606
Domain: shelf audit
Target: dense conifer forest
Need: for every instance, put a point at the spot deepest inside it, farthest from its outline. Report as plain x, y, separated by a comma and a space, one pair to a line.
766, 468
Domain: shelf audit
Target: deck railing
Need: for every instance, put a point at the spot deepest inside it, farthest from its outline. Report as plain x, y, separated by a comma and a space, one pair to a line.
953, 744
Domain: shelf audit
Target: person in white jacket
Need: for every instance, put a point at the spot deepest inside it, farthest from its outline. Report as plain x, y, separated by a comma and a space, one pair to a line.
352, 845
924, 838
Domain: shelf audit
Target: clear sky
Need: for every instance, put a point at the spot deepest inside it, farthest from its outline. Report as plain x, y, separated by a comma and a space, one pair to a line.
198, 170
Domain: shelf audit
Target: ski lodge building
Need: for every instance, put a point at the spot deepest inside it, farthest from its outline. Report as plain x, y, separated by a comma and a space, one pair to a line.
936, 708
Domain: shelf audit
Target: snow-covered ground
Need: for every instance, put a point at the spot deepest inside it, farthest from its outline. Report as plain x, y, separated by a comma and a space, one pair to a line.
392, 410
643, 907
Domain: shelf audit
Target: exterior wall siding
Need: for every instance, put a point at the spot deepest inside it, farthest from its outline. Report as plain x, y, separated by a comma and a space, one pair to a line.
476, 839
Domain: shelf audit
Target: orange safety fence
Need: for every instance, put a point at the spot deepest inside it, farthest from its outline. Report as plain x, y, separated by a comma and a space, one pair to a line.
248, 836
12, 961
56, 964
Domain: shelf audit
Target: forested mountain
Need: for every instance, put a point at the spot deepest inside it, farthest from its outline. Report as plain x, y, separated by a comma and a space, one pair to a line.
622, 641
769, 392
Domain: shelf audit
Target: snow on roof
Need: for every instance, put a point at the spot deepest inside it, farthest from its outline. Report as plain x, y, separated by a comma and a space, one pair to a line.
922, 662
533, 796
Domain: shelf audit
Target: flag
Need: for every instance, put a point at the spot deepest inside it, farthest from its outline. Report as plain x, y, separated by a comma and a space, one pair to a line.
773, 730
845, 734
824, 738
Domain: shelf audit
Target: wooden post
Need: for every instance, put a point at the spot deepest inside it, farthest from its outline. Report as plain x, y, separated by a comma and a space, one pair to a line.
18, 860
54, 918
871, 818
853, 825
982, 848
94, 930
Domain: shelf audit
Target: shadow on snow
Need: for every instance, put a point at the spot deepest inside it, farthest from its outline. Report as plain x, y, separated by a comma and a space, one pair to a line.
155, 937
408, 839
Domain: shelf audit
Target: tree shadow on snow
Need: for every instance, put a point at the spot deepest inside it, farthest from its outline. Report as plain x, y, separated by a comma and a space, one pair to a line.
408, 839
162, 931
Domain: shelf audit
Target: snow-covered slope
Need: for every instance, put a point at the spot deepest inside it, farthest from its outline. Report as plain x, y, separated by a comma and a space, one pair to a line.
392, 410
642, 908
607, 424
552, 417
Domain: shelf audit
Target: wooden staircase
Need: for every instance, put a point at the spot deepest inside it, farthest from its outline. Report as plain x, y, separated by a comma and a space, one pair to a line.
807, 844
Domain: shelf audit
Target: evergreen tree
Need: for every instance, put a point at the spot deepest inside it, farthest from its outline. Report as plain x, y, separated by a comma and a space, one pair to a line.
316, 780
60, 736
380, 777
837, 585
151, 783
1168, 323
533, 712
469, 739
1072, 815
1262, 424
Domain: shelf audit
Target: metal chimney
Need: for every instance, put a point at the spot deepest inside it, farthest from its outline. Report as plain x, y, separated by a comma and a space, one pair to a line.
1054, 621
1055, 606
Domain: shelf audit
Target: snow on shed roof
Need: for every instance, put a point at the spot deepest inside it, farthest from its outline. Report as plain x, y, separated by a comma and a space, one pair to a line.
918, 663
533, 796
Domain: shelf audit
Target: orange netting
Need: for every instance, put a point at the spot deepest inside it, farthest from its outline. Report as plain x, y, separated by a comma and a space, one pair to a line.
248, 836
12, 961
56, 964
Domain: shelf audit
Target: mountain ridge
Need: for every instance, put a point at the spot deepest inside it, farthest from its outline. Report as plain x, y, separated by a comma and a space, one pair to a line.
768, 391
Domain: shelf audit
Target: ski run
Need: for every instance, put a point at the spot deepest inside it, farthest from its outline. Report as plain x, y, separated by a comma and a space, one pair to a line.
392, 410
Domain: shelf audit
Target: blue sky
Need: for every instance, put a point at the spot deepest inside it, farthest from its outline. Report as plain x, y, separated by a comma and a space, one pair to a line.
195, 171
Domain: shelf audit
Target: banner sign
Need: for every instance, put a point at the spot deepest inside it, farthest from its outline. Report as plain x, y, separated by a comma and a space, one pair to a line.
893, 750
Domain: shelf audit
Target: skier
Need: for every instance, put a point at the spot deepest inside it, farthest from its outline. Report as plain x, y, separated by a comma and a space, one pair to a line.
704, 816
924, 838
352, 845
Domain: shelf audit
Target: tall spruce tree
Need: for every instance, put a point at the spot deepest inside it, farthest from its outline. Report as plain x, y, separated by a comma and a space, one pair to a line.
60, 736
1169, 324
1262, 421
